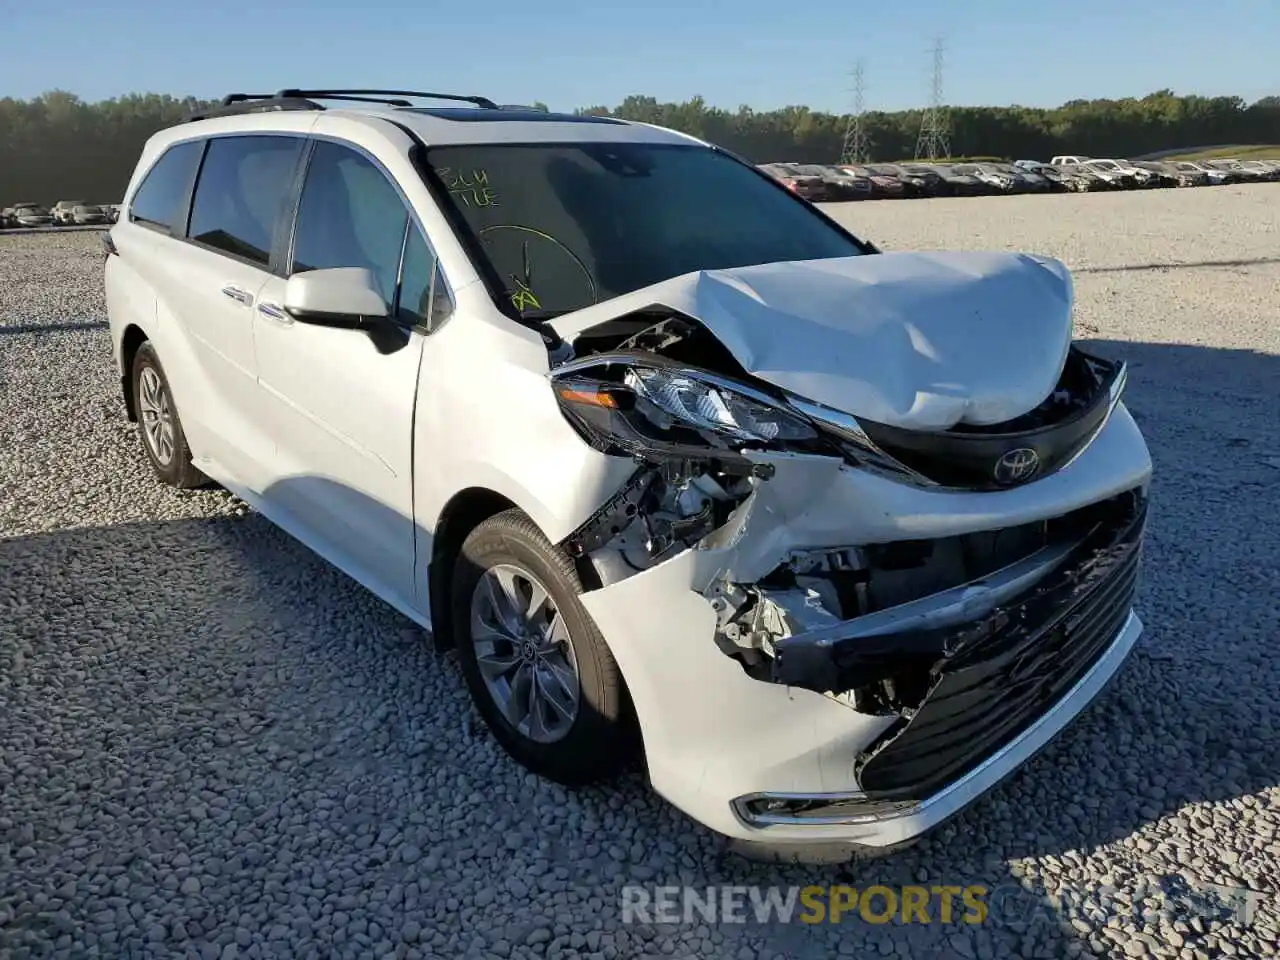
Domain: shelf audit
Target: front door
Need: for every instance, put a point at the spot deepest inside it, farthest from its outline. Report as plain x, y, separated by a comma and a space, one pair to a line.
340, 403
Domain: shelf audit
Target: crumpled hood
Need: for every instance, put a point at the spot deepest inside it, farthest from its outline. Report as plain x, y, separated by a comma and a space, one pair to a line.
916, 340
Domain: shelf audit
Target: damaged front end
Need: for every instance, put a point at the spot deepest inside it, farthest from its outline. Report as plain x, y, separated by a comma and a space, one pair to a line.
965, 669
956, 641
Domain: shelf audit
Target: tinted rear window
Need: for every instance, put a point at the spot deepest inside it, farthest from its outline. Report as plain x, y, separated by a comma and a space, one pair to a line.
160, 200
242, 189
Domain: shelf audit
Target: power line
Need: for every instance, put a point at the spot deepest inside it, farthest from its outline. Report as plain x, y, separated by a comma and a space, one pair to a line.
854, 149
934, 142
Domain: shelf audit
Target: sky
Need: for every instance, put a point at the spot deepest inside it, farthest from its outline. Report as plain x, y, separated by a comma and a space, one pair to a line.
571, 54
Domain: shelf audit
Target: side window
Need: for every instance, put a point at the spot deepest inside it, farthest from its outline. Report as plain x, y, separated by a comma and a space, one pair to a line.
424, 298
160, 199
350, 215
243, 185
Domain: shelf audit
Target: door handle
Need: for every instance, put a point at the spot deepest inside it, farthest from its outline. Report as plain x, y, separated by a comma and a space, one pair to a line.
273, 311
235, 293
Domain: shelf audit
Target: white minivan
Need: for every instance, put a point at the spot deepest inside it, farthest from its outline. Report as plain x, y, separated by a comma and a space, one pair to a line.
831, 540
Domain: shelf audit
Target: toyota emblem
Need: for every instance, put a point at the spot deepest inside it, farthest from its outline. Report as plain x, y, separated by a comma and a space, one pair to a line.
1017, 466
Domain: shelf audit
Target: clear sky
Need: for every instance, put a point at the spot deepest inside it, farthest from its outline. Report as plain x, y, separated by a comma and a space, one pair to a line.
567, 54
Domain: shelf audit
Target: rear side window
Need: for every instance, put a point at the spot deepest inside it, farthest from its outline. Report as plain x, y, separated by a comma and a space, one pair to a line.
243, 184
350, 215
160, 200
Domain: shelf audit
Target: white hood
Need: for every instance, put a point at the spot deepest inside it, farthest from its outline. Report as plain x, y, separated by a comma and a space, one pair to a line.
917, 340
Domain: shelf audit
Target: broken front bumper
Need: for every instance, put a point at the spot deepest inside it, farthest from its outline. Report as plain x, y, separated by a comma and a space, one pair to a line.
999, 658
780, 761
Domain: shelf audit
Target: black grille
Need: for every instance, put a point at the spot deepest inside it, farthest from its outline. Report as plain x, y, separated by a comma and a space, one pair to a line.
1019, 662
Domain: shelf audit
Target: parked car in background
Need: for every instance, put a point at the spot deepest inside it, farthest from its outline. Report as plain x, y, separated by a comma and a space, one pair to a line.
830, 540
856, 187
62, 212
31, 215
13, 211
913, 186
1144, 176
86, 214
1170, 176
995, 181
1055, 177
1249, 171
6, 217
1215, 176
961, 184
112, 210
1069, 161
882, 187
1083, 179
1025, 181
1160, 176
1131, 176
934, 184
1109, 171
836, 187
811, 188
1267, 170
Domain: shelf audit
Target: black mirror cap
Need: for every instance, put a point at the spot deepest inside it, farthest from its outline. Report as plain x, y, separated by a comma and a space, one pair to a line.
337, 321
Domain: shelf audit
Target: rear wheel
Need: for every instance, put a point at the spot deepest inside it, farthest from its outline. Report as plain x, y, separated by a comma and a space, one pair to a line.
537, 668
159, 425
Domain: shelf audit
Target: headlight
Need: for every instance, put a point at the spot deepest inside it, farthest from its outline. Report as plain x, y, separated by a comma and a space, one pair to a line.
658, 412
685, 398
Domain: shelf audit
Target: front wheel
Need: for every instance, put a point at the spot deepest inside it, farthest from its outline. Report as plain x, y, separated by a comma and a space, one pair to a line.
537, 667
163, 438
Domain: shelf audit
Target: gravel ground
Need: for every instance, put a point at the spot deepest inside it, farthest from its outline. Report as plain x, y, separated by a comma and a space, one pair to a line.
215, 746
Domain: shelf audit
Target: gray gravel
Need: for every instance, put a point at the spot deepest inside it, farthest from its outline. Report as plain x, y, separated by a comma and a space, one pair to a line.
213, 745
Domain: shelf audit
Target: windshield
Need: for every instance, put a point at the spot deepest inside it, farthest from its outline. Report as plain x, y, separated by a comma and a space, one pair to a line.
564, 226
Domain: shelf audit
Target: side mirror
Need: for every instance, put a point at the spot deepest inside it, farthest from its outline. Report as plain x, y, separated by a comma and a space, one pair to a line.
346, 297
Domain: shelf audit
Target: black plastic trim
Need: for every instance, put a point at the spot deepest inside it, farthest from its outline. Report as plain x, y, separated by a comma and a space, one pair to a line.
968, 458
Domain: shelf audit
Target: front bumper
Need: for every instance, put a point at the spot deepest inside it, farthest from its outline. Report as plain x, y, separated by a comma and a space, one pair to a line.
718, 741
856, 818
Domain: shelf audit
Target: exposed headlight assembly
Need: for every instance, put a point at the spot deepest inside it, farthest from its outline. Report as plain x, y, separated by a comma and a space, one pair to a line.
658, 411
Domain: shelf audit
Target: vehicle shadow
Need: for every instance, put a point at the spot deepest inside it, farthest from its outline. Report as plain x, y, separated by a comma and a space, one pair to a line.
292, 696
15, 328
1188, 265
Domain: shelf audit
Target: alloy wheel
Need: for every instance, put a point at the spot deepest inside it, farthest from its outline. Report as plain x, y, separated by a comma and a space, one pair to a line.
524, 653
156, 414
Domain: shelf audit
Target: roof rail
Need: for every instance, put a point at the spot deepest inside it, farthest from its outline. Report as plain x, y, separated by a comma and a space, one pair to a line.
376, 95
235, 104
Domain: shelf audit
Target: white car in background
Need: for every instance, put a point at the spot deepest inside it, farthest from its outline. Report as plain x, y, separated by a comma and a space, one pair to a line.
833, 539
63, 212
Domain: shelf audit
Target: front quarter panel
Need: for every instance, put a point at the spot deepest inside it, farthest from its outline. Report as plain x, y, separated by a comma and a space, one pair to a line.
487, 418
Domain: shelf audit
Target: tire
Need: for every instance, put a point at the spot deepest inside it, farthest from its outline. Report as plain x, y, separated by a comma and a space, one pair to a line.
153, 401
600, 740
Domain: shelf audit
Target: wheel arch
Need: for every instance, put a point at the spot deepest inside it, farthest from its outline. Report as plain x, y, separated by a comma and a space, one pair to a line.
134, 337
463, 512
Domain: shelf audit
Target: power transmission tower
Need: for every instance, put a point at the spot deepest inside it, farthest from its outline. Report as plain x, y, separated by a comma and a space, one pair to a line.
854, 149
934, 142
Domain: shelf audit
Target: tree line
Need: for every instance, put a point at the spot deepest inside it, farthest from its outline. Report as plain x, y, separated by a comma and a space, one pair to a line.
57, 146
